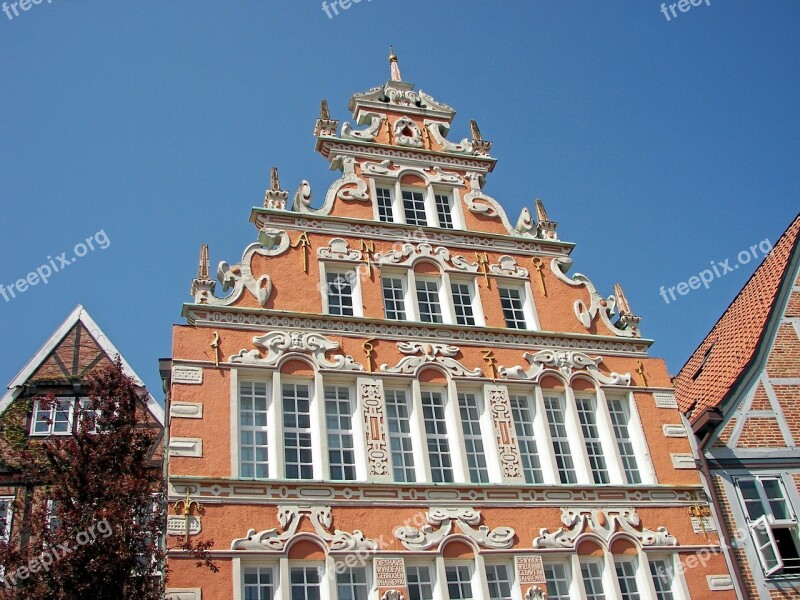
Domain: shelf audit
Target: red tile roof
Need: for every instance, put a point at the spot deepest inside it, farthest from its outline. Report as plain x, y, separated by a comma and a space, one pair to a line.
731, 345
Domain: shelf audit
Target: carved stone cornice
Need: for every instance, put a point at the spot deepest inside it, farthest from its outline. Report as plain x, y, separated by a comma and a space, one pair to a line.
279, 343
289, 517
339, 249
453, 521
567, 363
603, 523
422, 354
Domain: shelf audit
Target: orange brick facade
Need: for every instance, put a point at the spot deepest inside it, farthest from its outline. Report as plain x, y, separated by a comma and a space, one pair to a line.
406, 394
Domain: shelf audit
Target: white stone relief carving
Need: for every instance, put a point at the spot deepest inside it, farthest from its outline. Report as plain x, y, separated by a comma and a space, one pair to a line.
187, 375
535, 593
349, 187
400, 93
239, 277
407, 133
186, 410
421, 354
176, 525
525, 225
392, 170
409, 254
278, 343
446, 519
478, 202
604, 307
375, 429
290, 517
500, 408
507, 267
186, 447
392, 595
368, 134
567, 363
339, 249
438, 130
603, 523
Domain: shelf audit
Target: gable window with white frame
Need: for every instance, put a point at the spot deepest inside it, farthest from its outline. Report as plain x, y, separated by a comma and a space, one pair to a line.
340, 292
430, 306
515, 305
626, 576
587, 415
253, 433
463, 302
459, 581
444, 210
420, 581
555, 409
442, 299
383, 196
592, 574
306, 581
394, 297
55, 419
620, 413
772, 523
662, 571
352, 583
559, 579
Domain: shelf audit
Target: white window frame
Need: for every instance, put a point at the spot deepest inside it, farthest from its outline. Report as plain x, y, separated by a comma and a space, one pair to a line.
534, 438
53, 410
409, 406
637, 563
342, 567
392, 209
351, 396
599, 469
266, 429
429, 192
528, 308
572, 585
439, 293
474, 304
477, 438
351, 274
5, 531
606, 590
404, 300
512, 576
431, 567
449, 436
474, 582
441, 192
678, 589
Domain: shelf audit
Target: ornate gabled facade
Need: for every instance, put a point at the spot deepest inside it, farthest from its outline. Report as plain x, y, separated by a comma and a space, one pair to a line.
400, 392
740, 391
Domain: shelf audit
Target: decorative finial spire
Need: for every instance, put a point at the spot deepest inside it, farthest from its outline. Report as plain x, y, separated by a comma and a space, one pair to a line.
394, 65
275, 183
541, 213
324, 113
475, 130
202, 269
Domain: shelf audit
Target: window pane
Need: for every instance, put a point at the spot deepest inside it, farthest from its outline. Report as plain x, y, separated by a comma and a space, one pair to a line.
587, 414
512, 303
393, 298
554, 408
436, 433
42, 418
558, 577
305, 583
626, 575
398, 421
620, 420
420, 583
62, 418
752, 498
499, 579
340, 293
339, 422
430, 310
5, 518
384, 196
414, 208
773, 490
473, 442
523, 413
444, 211
462, 302
297, 431
258, 584
663, 575
592, 572
351, 584
253, 456
459, 582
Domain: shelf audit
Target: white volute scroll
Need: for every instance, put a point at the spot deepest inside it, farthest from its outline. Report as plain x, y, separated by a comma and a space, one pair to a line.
567, 363
278, 344
454, 521
422, 354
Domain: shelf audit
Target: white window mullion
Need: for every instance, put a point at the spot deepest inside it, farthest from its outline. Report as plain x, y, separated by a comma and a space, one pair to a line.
398, 210
579, 457
545, 443
458, 453
647, 471
359, 431
284, 580
647, 588
412, 309
577, 588
421, 459
277, 468
440, 591
431, 216
235, 405
319, 443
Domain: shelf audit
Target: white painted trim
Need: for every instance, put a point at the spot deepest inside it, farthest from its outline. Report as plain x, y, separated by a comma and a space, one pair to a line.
186, 410
186, 447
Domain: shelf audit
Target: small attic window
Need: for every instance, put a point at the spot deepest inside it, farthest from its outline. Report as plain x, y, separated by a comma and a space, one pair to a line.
702, 363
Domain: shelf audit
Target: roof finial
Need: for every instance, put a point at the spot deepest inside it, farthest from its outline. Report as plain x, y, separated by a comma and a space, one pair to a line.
202, 269
324, 111
395, 66
275, 184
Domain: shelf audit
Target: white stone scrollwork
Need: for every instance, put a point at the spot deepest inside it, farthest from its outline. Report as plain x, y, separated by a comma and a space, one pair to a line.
604, 307
525, 225
507, 267
384, 168
446, 519
478, 202
392, 595
438, 130
407, 133
339, 250
409, 254
603, 523
239, 277
349, 187
500, 408
370, 133
375, 429
302, 197
389, 169
278, 343
535, 593
289, 517
421, 354
567, 362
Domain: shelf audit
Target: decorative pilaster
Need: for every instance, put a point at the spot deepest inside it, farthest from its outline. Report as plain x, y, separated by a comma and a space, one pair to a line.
503, 426
373, 410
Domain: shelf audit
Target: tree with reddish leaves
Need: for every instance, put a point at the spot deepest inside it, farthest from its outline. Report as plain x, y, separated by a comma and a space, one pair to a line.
90, 523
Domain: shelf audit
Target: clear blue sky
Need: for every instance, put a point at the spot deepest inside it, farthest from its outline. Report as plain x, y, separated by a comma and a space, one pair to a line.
657, 145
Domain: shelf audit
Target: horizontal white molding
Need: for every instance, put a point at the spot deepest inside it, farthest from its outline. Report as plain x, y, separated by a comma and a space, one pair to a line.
186, 410
675, 431
719, 583
186, 447
683, 461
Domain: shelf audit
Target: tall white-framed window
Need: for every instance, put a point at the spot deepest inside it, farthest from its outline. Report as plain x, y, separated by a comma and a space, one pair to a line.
421, 581
523, 412
428, 300
340, 291
459, 581
305, 580
558, 575
339, 425
555, 410
592, 574
6, 516
414, 207
500, 580
352, 583
437, 441
470, 408
517, 305
398, 418
626, 577
87, 414
383, 197
662, 572
620, 413
772, 522
444, 209
253, 432
55, 419
394, 297
587, 415
297, 432
464, 302
258, 583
